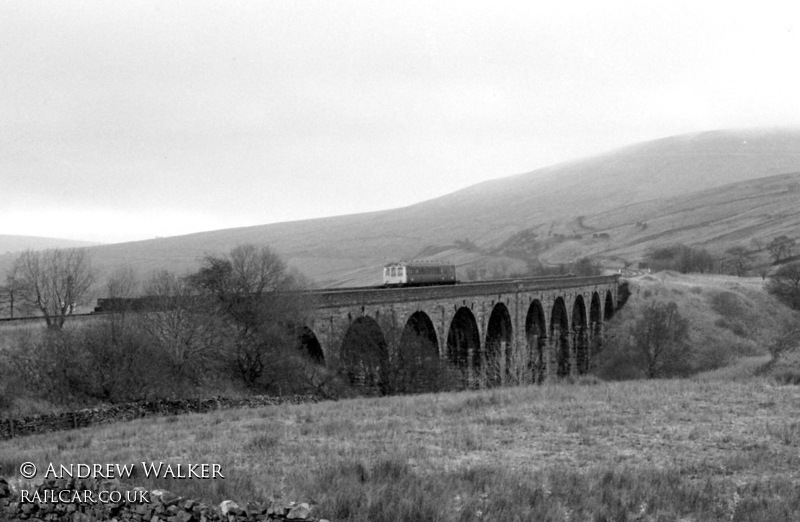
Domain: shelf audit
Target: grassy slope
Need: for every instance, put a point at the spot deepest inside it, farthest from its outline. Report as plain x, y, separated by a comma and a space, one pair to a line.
694, 450
613, 191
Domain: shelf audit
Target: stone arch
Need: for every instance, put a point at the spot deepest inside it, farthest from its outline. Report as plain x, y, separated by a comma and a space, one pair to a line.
498, 347
536, 338
608, 309
580, 344
418, 365
559, 337
308, 343
364, 354
463, 339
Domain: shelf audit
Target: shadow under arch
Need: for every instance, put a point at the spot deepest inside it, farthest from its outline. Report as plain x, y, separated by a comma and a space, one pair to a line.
418, 366
536, 339
559, 336
364, 356
608, 309
497, 354
579, 336
308, 343
463, 341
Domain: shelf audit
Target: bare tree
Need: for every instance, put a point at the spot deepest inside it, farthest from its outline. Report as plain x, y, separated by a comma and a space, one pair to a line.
123, 282
658, 341
781, 247
785, 284
256, 294
53, 282
183, 327
739, 258
10, 294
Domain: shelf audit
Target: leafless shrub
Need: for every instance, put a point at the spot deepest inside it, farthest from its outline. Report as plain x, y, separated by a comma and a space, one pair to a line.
654, 344
785, 285
53, 282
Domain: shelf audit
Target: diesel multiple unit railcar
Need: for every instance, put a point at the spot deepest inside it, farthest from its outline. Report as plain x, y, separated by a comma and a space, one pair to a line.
414, 273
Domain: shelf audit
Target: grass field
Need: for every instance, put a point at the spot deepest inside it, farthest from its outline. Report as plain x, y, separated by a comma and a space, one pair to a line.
699, 449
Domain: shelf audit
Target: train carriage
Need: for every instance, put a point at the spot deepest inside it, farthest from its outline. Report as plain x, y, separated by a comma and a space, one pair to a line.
416, 273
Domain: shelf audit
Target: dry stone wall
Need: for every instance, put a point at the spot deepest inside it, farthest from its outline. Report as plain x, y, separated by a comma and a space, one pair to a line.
29, 425
161, 506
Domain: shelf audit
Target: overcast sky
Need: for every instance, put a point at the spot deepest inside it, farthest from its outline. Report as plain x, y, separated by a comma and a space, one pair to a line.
129, 120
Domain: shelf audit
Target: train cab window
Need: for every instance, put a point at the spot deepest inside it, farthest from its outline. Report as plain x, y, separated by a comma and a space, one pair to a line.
394, 271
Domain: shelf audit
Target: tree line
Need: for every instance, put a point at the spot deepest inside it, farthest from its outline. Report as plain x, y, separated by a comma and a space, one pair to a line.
737, 259
234, 324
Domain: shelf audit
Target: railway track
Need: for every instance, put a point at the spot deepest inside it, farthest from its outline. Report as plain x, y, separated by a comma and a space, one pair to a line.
32, 318
345, 290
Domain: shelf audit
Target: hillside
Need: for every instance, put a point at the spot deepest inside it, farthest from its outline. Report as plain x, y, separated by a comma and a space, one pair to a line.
10, 244
747, 213
674, 184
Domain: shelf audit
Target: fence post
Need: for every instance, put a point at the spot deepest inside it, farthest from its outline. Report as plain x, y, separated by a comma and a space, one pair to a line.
11, 424
74, 420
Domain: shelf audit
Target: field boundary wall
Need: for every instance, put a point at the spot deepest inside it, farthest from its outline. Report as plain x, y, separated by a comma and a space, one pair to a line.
45, 423
160, 505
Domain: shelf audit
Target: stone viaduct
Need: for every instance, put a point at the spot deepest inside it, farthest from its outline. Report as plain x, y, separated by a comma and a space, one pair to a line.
554, 323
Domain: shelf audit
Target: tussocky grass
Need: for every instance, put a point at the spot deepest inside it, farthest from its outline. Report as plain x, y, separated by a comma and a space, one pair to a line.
700, 449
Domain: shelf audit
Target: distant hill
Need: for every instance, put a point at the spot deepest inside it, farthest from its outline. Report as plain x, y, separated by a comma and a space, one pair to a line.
10, 244
701, 189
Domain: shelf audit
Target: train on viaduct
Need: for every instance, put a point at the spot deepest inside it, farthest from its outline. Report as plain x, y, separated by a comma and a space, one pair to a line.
553, 323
